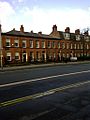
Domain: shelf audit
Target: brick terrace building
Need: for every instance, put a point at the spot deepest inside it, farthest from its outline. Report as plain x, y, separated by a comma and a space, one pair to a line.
21, 46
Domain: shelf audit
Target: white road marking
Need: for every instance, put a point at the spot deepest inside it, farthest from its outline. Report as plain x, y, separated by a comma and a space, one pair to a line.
39, 79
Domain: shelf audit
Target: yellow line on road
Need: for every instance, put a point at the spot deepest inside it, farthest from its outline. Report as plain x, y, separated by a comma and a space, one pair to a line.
42, 94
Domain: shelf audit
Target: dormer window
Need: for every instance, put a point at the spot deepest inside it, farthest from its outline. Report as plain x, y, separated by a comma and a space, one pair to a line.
78, 37
86, 38
67, 36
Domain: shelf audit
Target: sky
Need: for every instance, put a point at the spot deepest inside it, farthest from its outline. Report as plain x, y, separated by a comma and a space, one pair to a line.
41, 15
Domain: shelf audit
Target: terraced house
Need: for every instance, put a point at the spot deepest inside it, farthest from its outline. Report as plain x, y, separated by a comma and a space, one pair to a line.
21, 47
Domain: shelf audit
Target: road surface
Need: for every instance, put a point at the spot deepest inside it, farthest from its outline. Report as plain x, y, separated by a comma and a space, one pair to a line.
53, 93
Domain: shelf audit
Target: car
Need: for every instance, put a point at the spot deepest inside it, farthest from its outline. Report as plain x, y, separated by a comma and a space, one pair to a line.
73, 58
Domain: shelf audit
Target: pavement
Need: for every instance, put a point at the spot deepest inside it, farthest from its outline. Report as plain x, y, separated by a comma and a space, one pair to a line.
31, 66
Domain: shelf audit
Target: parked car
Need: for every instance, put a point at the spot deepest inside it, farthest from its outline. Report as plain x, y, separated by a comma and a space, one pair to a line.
73, 59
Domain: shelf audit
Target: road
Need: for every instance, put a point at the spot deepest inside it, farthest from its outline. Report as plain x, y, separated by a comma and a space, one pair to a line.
53, 93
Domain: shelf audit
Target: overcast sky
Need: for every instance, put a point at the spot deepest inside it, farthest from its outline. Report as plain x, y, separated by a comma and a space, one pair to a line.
41, 15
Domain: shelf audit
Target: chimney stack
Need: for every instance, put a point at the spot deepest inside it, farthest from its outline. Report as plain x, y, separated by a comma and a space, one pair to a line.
54, 28
40, 33
67, 30
31, 31
22, 28
77, 32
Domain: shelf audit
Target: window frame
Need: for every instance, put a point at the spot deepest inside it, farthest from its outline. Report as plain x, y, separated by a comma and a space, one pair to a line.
16, 43
17, 55
23, 43
43, 44
8, 55
37, 45
31, 43
8, 42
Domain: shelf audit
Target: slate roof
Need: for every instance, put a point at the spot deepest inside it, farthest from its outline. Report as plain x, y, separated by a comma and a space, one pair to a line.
61, 35
72, 35
28, 34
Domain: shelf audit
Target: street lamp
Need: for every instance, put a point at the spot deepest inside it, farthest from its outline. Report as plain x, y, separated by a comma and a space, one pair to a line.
1, 55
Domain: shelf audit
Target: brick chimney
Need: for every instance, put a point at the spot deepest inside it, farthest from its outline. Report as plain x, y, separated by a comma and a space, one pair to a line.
31, 31
54, 28
67, 30
77, 32
22, 28
40, 33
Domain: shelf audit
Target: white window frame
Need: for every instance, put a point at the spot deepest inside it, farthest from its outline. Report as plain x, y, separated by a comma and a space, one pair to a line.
86, 38
49, 44
37, 44
17, 54
9, 42
71, 46
63, 54
81, 46
75, 46
24, 43
8, 54
87, 46
63, 45
67, 36
59, 45
53, 44
31, 43
77, 37
16, 43
43, 44
67, 55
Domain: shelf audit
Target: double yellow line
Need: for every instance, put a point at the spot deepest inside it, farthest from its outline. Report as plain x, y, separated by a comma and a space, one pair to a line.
42, 94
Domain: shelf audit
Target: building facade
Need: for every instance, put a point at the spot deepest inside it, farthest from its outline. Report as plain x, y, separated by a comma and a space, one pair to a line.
22, 47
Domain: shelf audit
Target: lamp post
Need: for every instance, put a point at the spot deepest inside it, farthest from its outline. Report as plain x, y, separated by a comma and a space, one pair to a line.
1, 55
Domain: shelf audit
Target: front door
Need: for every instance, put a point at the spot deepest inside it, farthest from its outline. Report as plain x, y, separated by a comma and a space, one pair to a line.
24, 57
